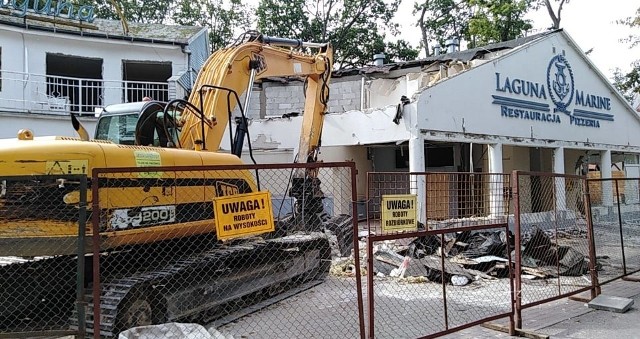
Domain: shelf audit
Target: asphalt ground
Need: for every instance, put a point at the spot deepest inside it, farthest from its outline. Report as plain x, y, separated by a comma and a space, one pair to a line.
563, 318
566, 318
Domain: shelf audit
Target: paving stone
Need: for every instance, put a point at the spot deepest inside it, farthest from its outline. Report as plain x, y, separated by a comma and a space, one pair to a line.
611, 303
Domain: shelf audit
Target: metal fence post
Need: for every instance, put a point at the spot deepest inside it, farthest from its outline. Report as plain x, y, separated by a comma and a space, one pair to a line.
595, 285
370, 268
356, 248
515, 178
82, 222
624, 261
95, 220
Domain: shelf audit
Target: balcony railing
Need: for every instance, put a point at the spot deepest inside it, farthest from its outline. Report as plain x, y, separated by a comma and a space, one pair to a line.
25, 92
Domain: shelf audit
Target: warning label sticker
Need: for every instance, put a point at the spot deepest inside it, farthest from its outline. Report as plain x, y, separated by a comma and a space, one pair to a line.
399, 212
243, 214
67, 167
148, 159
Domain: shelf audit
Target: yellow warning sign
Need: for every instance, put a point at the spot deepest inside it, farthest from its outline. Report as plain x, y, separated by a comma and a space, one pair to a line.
67, 167
148, 159
243, 214
399, 212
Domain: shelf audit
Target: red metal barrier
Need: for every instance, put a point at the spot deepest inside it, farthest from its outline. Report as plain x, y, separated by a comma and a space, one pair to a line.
554, 240
616, 225
437, 243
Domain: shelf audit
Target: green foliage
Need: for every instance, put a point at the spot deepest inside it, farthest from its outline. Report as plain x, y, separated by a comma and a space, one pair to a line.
223, 18
146, 11
400, 50
479, 22
356, 28
440, 20
497, 20
628, 84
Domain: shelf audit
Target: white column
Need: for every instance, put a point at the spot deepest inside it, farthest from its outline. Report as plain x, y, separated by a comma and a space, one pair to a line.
558, 168
417, 164
112, 82
496, 186
605, 173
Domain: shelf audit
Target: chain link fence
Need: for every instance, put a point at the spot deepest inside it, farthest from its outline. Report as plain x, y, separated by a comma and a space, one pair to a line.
615, 210
555, 257
263, 251
42, 234
438, 252
248, 251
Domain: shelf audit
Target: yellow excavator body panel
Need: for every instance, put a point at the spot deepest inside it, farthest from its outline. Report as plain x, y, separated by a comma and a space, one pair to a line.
119, 192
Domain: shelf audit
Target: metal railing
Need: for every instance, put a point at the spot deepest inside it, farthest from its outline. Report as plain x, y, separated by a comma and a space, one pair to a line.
52, 94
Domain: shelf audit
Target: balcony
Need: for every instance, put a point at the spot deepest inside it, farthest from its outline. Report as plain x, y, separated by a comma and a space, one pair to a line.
48, 94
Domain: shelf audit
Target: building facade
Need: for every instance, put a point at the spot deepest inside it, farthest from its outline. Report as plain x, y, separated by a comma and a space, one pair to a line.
51, 67
532, 104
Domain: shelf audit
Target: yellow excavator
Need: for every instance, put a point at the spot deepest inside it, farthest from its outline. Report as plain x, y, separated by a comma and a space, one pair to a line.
161, 286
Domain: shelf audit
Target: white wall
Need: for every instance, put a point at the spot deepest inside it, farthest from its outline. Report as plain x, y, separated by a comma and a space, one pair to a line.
41, 125
25, 51
346, 129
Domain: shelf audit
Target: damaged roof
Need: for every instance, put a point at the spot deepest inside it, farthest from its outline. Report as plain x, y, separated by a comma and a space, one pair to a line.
107, 29
464, 56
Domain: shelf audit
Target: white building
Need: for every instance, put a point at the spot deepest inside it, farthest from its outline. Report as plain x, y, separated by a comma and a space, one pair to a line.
53, 66
536, 104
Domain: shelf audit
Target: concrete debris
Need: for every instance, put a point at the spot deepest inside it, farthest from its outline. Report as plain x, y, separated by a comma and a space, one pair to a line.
461, 258
611, 303
541, 253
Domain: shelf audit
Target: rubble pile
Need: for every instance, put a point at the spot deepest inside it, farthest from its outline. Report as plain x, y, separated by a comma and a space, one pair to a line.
469, 256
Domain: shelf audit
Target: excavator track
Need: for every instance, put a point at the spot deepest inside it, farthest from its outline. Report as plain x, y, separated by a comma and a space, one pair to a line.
223, 281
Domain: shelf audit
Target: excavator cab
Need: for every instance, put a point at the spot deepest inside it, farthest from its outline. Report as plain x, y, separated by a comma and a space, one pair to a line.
139, 123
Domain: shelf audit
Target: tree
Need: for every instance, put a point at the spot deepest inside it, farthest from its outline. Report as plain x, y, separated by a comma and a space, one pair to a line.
497, 20
629, 84
440, 20
553, 14
145, 11
356, 28
225, 19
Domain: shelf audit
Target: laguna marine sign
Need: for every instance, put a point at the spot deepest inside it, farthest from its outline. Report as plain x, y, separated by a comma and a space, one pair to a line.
61, 8
553, 101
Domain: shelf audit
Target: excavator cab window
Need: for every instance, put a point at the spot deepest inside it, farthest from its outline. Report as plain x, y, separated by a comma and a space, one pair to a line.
120, 129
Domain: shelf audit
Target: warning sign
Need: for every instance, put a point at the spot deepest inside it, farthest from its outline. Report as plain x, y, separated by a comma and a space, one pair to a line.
243, 214
148, 159
399, 212
67, 167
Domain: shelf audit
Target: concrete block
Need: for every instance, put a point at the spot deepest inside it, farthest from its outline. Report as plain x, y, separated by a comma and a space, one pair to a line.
611, 303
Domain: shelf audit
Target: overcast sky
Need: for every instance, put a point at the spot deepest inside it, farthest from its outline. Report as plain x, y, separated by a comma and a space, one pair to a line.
591, 24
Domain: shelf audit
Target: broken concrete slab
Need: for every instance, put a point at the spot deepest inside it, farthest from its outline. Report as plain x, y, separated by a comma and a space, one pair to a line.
611, 303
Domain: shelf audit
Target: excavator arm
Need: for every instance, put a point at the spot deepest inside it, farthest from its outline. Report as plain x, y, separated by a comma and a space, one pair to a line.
231, 71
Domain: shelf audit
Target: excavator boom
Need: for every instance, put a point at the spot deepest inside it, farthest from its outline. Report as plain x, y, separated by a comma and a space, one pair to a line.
235, 68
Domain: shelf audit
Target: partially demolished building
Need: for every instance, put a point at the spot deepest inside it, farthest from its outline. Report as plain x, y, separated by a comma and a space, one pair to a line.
535, 104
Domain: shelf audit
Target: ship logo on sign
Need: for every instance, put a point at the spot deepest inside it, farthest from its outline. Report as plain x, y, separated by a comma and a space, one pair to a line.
560, 81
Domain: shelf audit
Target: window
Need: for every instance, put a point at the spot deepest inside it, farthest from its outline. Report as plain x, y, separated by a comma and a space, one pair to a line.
440, 156
145, 79
120, 129
74, 83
